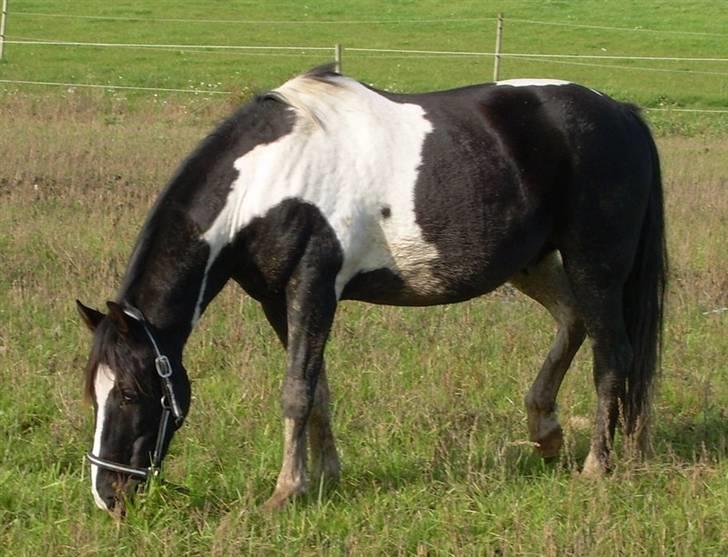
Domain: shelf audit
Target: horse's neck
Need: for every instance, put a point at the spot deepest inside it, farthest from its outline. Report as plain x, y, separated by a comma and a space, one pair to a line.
171, 291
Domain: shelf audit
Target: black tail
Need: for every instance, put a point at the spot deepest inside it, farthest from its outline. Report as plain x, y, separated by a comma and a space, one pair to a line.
644, 296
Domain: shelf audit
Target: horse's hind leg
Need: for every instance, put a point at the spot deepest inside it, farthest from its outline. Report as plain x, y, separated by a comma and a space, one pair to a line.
598, 288
546, 282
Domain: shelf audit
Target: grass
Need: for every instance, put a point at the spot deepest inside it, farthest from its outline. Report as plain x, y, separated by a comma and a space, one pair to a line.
427, 402
652, 28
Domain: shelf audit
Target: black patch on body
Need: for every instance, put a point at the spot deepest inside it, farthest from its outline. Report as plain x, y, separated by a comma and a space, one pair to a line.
496, 172
381, 286
267, 252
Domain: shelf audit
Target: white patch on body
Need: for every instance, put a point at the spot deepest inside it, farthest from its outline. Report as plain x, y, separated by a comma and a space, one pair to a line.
352, 152
525, 82
103, 384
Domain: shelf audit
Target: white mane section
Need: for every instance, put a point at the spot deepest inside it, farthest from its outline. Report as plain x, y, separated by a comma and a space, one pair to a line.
352, 153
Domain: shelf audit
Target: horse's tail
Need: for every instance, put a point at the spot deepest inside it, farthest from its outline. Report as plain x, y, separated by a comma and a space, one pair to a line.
644, 296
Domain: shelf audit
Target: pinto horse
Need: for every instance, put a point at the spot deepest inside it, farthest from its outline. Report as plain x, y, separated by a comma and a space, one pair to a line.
326, 189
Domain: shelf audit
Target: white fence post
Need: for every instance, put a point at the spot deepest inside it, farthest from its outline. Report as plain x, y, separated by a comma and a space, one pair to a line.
3, 19
338, 54
498, 41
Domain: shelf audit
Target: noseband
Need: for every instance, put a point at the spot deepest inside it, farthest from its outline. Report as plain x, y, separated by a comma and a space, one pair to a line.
170, 406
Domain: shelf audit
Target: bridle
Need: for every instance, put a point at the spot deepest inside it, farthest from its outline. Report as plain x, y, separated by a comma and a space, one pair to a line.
170, 407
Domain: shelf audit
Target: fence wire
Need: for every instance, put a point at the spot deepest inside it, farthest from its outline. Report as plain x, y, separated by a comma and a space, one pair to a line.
637, 29
218, 92
121, 87
412, 52
297, 51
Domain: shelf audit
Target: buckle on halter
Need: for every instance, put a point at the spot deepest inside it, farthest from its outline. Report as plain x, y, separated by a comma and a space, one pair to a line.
164, 368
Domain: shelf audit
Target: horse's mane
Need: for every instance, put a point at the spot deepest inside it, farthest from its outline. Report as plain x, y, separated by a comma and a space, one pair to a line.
314, 92
316, 80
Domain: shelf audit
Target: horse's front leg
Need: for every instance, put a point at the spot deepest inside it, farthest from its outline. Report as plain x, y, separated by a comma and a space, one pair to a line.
324, 458
311, 304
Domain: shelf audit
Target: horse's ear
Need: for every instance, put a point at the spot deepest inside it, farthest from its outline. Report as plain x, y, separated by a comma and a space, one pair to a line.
118, 317
91, 317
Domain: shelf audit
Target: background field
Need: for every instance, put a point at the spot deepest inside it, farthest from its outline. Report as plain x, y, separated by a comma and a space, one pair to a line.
427, 402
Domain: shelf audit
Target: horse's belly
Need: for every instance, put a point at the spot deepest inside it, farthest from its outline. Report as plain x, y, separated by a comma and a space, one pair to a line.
399, 266
405, 270
395, 247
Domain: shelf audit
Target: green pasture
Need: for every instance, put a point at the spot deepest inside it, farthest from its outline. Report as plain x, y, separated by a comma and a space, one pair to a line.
427, 403
650, 28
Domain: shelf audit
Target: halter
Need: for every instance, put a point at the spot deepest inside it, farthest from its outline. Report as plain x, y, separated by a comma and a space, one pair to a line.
170, 406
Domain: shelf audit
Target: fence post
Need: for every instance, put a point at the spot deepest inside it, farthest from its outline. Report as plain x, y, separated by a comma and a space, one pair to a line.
338, 54
3, 19
498, 41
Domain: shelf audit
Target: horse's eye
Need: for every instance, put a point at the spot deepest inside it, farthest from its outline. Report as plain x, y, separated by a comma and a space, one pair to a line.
127, 397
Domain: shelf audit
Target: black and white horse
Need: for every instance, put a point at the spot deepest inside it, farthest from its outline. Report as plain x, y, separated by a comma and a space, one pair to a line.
325, 189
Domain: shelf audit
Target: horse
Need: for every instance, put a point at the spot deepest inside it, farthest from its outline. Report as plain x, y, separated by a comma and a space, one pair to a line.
326, 189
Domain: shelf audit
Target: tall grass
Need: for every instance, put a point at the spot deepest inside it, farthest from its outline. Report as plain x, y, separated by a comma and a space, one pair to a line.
427, 402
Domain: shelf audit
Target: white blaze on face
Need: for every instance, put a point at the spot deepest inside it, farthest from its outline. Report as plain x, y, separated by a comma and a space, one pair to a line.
103, 384
353, 154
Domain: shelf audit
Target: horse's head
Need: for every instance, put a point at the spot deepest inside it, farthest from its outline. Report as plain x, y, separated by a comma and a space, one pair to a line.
139, 397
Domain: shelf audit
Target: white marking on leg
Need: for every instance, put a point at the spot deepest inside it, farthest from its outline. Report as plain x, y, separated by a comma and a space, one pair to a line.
292, 475
103, 384
593, 467
351, 153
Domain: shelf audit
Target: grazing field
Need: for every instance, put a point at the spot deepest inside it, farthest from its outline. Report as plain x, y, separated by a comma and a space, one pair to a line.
688, 29
427, 402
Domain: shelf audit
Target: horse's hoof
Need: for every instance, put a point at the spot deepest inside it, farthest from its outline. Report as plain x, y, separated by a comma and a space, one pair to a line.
281, 496
327, 472
275, 502
594, 468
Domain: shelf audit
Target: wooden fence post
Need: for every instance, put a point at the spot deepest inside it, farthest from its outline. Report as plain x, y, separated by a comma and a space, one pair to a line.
498, 42
3, 20
338, 54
